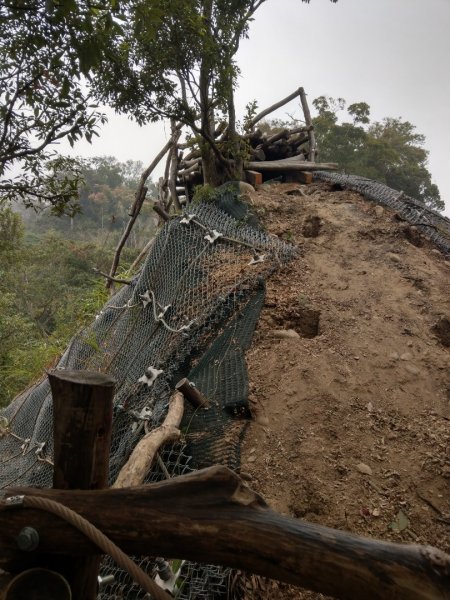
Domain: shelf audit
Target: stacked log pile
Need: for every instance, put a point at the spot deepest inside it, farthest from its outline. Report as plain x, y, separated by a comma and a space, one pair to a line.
284, 152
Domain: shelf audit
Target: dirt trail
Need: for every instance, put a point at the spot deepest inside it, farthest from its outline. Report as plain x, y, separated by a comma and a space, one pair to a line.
352, 412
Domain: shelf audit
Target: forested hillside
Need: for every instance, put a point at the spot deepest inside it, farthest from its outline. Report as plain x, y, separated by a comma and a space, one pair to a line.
48, 288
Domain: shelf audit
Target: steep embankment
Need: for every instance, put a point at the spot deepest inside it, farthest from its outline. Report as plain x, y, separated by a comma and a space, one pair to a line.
352, 412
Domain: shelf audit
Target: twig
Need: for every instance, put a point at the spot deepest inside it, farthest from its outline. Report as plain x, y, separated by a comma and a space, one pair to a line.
140, 196
143, 252
109, 278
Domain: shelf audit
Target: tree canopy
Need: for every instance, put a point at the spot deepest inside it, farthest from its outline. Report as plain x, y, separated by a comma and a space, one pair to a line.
390, 151
176, 60
48, 50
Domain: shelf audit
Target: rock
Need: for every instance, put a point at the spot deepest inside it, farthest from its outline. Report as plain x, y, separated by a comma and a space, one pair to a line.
245, 476
379, 211
363, 468
436, 251
251, 459
285, 334
412, 369
394, 356
245, 187
405, 356
394, 257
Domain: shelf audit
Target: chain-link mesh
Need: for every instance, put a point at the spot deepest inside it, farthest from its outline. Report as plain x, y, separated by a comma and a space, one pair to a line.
429, 222
201, 287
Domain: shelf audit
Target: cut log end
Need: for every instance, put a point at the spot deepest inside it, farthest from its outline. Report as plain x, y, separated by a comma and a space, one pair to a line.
83, 377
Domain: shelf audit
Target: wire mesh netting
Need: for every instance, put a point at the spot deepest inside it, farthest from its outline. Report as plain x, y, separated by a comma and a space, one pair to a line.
429, 222
191, 311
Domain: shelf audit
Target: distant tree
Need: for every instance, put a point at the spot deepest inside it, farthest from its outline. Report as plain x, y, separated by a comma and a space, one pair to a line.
390, 151
48, 50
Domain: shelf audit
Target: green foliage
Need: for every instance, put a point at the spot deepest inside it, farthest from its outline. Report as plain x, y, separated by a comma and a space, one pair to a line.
176, 59
104, 200
390, 151
47, 291
48, 50
204, 193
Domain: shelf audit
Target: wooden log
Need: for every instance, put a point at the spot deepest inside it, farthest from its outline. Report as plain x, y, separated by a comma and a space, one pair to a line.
254, 137
253, 178
138, 465
308, 121
195, 168
258, 153
191, 393
289, 165
194, 153
185, 164
212, 516
281, 135
304, 177
159, 210
82, 424
272, 108
297, 139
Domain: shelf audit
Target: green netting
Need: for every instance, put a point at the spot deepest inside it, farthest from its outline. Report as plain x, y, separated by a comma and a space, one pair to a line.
197, 297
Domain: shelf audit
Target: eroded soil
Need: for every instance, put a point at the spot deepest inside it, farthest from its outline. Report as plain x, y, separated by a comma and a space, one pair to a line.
351, 412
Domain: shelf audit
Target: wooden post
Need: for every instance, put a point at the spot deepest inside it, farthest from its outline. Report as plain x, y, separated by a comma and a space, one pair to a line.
82, 423
254, 178
159, 210
191, 393
308, 121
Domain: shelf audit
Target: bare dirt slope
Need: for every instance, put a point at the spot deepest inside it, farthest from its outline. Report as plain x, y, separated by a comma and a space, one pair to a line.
351, 416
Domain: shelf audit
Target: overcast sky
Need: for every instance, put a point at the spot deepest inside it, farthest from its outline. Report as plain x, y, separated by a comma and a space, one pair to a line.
392, 54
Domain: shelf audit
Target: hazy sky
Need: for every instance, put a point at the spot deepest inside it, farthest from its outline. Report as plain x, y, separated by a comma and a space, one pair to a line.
392, 54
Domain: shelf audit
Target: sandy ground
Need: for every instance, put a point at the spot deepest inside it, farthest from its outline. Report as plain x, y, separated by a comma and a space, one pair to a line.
351, 413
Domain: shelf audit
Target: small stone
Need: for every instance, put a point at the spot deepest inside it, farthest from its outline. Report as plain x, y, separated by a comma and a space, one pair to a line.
245, 476
394, 356
379, 211
447, 263
363, 468
394, 257
375, 513
251, 459
436, 251
285, 334
412, 369
245, 187
405, 356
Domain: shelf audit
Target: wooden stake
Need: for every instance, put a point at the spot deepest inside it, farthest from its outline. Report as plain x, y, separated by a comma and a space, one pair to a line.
159, 210
191, 393
308, 121
82, 423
